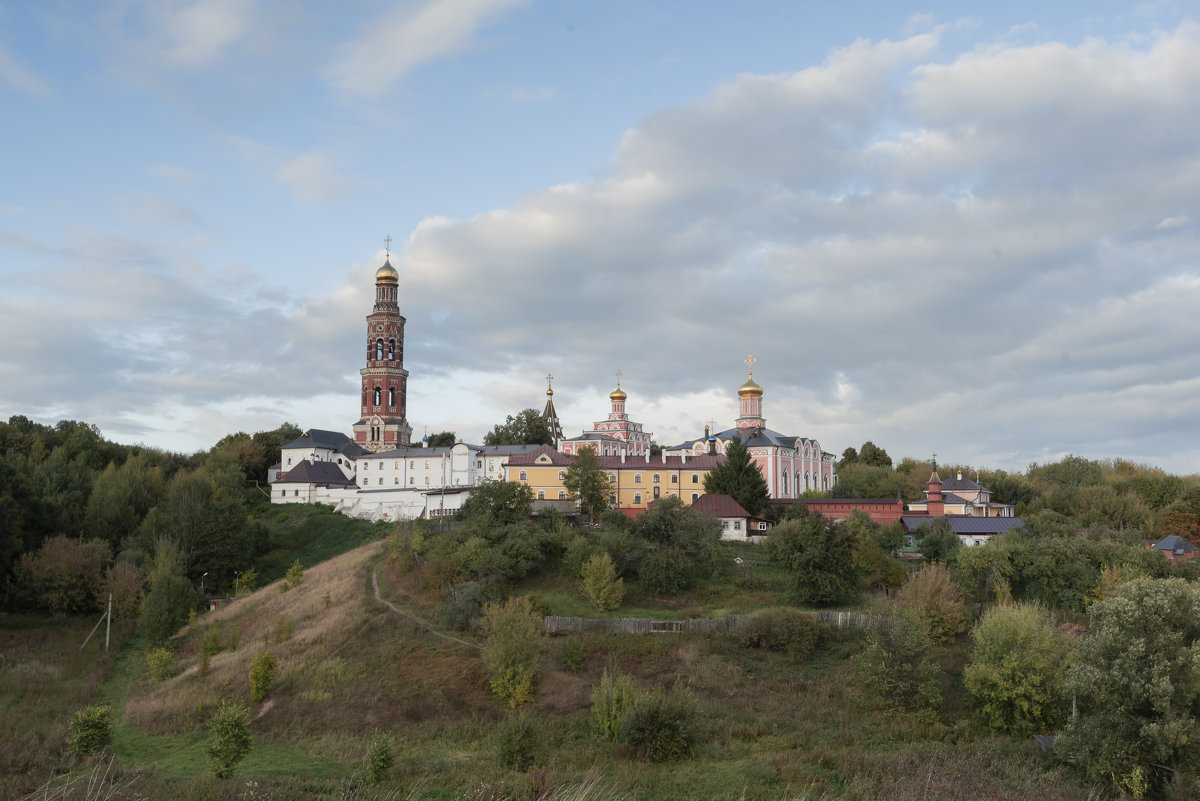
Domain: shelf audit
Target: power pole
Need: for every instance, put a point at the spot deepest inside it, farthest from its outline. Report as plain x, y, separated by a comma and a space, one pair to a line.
108, 625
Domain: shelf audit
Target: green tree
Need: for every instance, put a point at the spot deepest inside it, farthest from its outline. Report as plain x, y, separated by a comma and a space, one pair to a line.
513, 632
380, 757
819, 558
1015, 671
872, 454
262, 676
897, 664
937, 540
65, 574
230, 739
739, 478
601, 584
587, 482
527, 428
1136, 678
90, 730
495, 504
170, 598
936, 601
442, 439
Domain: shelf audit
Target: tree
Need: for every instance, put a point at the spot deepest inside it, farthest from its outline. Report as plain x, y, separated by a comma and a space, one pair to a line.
897, 663
587, 482
513, 633
527, 428
739, 478
1016, 668
937, 540
872, 454
64, 575
819, 557
230, 740
170, 598
443, 439
936, 602
497, 503
604, 588
1135, 681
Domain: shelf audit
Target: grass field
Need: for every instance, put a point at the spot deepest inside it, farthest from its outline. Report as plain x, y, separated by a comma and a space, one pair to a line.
769, 728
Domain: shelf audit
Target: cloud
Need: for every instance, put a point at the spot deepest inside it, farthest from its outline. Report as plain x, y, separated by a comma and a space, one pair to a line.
181, 35
312, 177
20, 78
394, 44
1172, 222
908, 245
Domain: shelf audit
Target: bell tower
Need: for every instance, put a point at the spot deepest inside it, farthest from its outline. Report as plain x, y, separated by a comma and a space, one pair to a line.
383, 423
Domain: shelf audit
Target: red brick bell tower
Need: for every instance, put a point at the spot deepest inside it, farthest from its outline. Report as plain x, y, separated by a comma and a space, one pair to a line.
383, 423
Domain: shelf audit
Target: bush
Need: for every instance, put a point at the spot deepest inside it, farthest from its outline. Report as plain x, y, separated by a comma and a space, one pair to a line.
601, 584
571, 654
246, 581
90, 730
936, 601
611, 700
262, 674
294, 576
465, 607
513, 632
158, 662
230, 739
788, 631
897, 663
380, 757
518, 744
210, 644
659, 728
665, 570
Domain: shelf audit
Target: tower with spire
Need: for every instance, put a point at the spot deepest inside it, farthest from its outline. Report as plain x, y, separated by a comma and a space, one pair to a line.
550, 415
383, 423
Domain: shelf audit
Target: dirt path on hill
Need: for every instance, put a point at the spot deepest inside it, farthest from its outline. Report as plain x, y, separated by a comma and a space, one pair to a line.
422, 623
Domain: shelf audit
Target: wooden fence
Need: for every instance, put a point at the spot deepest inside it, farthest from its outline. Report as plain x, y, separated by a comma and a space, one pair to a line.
554, 624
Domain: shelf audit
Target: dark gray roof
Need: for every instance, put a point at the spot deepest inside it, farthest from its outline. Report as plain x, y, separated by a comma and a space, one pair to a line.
1175, 544
315, 473
960, 484
319, 438
962, 524
751, 438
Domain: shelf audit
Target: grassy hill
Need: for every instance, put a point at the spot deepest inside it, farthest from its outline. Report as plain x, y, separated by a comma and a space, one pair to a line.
768, 728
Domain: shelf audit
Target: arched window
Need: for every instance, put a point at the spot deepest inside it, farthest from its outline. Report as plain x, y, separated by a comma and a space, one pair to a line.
562, 496
379, 349
612, 478
695, 497
656, 478
391, 350
785, 483
524, 476
656, 493
541, 495
391, 396
378, 395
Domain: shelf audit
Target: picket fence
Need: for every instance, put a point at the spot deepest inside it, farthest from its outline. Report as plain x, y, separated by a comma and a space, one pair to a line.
555, 624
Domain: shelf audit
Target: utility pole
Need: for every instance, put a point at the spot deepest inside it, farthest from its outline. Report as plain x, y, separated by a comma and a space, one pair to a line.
108, 626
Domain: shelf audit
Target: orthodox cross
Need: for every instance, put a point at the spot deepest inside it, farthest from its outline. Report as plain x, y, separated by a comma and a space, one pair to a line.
549, 378
387, 245
750, 360
619, 374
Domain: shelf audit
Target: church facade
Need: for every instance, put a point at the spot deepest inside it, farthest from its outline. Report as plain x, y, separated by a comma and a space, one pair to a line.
791, 465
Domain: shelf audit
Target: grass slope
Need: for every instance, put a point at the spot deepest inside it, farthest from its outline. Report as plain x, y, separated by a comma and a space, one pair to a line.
770, 728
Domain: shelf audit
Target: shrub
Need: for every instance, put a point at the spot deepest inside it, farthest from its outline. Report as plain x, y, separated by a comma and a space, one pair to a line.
262, 674
513, 631
601, 584
90, 730
788, 631
660, 728
465, 607
665, 570
295, 575
897, 663
158, 662
518, 744
246, 581
230, 739
380, 756
571, 654
936, 601
1016, 669
285, 627
611, 700
210, 644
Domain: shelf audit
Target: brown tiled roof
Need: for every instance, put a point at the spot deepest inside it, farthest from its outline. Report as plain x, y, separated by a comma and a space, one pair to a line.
719, 505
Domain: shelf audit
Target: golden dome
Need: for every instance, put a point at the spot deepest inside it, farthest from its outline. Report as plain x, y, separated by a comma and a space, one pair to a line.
387, 274
750, 389
617, 394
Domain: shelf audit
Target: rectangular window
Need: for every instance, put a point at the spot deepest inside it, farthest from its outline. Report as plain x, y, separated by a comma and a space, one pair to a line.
562, 475
397, 481
637, 478
426, 479
737, 525
674, 479
411, 464
397, 465
412, 480
695, 478
524, 476
656, 478
612, 478
637, 498
426, 464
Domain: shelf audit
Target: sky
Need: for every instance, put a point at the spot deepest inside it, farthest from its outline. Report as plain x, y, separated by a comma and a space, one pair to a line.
961, 229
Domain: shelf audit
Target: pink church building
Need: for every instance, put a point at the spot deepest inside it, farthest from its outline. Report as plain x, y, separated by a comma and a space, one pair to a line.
615, 436
790, 464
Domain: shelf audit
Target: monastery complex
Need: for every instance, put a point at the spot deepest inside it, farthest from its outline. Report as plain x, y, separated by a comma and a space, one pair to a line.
377, 472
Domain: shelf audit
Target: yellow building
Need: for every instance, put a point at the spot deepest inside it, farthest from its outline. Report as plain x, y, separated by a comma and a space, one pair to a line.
637, 481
